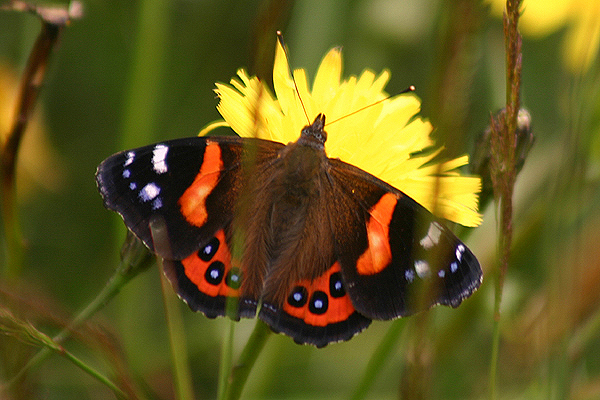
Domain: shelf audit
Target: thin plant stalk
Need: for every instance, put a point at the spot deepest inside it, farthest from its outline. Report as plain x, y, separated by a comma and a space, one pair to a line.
135, 259
27, 333
503, 168
232, 377
226, 360
239, 371
177, 340
183, 377
380, 356
53, 21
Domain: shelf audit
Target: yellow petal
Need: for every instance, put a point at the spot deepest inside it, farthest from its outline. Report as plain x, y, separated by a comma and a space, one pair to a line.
327, 80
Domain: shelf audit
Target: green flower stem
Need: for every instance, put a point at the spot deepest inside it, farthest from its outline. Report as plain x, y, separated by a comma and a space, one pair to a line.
240, 371
495, 345
90, 371
27, 333
503, 168
183, 378
231, 310
226, 360
379, 358
135, 258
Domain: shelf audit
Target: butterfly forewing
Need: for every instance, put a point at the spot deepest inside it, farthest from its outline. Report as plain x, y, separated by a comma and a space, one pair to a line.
396, 258
191, 183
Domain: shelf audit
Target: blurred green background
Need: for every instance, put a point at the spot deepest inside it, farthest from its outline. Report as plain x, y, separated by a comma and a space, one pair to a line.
131, 73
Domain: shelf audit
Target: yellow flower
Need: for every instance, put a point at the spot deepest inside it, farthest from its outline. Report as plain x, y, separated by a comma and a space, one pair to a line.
379, 138
581, 17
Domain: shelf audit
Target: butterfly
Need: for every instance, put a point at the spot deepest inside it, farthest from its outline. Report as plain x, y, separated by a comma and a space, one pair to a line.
315, 246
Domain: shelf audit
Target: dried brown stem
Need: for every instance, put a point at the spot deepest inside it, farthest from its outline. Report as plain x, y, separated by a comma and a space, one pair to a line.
53, 20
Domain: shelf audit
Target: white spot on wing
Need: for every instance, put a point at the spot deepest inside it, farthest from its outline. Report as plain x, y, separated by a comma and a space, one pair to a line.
157, 203
422, 268
129, 159
453, 267
460, 249
409, 275
149, 192
433, 236
441, 273
133, 186
126, 173
159, 155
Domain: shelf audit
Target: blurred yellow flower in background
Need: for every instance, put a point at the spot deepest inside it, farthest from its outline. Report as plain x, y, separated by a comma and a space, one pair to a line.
581, 18
384, 138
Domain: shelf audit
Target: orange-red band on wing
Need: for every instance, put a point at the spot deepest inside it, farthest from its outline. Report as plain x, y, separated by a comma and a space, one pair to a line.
193, 201
378, 255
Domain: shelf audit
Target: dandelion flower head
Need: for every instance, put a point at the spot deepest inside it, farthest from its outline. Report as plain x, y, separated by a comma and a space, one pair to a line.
386, 138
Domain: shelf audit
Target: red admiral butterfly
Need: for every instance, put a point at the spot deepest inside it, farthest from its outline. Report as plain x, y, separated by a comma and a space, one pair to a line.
316, 246
327, 247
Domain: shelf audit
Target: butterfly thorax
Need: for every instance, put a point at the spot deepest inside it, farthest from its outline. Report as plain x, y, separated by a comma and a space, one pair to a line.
302, 163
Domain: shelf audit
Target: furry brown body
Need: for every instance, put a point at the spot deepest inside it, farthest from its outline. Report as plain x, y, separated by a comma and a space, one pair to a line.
288, 237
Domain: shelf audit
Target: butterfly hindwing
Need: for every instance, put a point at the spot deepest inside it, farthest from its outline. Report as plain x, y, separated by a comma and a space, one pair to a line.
316, 311
206, 279
396, 258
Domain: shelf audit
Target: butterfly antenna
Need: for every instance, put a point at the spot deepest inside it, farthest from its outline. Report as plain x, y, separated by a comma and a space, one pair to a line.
409, 89
287, 57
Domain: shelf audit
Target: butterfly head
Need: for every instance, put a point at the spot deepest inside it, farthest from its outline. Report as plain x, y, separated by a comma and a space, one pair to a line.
314, 135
